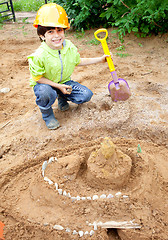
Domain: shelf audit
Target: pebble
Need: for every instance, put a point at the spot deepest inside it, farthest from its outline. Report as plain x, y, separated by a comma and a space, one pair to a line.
73, 199
69, 195
118, 194
95, 226
78, 198
80, 233
56, 186
125, 196
74, 232
110, 196
68, 230
48, 180
89, 198
103, 196
60, 191
44, 165
91, 232
64, 193
58, 227
5, 90
95, 197
46, 224
52, 159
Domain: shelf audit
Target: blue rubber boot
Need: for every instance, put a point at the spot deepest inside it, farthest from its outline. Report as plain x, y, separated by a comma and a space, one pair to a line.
49, 118
63, 105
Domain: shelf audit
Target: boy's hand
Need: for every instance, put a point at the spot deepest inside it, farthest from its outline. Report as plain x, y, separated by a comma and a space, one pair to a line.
65, 89
105, 56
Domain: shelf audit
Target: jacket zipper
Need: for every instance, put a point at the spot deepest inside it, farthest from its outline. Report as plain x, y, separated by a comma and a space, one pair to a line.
61, 65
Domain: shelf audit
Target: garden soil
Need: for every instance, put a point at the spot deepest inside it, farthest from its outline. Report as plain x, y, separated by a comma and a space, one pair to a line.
30, 207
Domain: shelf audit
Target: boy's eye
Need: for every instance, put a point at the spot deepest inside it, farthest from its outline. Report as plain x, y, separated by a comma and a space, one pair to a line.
60, 29
50, 31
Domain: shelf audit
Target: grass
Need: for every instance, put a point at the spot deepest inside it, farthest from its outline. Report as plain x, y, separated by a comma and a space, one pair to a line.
27, 5
121, 49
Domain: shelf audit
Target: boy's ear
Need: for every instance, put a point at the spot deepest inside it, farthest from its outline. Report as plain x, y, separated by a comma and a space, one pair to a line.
42, 37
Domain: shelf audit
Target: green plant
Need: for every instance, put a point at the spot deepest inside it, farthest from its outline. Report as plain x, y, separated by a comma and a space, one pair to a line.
84, 13
94, 42
80, 34
139, 16
27, 5
121, 48
122, 55
24, 20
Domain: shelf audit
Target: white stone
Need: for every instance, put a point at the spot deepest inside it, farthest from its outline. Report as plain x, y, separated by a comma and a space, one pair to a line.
95, 226
5, 90
46, 224
125, 196
78, 198
73, 199
110, 196
89, 198
68, 230
95, 197
83, 198
52, 159
48, 180
86, 233
69, 195
80, 233
58, 227
118, 194
91, 232
64, 193
103, 196
60, 191
44, 165
43, 173
74, 232
56, 186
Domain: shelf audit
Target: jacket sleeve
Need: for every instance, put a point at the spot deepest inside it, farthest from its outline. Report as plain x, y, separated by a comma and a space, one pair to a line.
35, 66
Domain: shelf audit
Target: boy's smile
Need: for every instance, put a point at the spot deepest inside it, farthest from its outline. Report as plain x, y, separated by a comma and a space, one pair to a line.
54, 38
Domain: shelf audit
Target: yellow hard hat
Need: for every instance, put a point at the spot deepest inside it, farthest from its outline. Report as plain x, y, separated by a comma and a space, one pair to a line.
51, 15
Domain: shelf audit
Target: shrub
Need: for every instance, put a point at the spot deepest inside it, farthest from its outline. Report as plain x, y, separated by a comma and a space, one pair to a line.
84, 14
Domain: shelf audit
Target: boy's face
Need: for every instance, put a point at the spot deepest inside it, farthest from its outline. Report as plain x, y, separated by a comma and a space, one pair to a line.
54, 38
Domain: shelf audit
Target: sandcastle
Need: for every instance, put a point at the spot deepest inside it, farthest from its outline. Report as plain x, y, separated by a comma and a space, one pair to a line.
108, 167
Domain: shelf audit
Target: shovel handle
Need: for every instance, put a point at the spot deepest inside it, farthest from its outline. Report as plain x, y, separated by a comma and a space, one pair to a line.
105, 47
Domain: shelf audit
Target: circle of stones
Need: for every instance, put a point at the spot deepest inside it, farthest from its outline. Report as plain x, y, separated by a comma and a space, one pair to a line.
77, 198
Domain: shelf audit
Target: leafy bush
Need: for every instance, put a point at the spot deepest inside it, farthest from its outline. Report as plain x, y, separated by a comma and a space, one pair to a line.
84, 14
140, 16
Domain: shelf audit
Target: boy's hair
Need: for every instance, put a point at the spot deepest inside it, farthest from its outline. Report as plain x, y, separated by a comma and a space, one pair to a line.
41, 30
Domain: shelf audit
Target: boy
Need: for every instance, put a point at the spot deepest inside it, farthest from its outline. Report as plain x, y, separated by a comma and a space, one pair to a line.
53, 63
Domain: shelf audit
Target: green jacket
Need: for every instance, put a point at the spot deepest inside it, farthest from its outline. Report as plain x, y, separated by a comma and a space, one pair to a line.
55, 65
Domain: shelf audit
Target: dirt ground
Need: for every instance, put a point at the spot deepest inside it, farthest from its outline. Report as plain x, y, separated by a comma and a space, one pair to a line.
31, 208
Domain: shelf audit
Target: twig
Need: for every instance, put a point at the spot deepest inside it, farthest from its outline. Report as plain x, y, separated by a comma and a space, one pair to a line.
146, 73
125, 4
5, 124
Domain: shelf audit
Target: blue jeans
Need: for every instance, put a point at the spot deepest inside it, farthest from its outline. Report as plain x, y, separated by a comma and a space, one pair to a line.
46, 95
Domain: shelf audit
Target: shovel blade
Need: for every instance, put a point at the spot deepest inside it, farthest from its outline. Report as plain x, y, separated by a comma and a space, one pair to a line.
119, 91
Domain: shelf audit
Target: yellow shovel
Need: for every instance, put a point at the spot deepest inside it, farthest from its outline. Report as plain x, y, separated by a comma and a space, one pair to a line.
118, 88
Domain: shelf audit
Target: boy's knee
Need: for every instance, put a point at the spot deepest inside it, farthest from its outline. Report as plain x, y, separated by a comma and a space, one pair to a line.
45, 95
86, 97
89, 95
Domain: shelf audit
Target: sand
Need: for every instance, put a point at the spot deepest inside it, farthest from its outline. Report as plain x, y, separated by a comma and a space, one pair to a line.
30, 207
